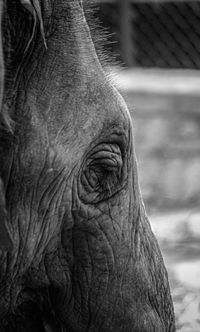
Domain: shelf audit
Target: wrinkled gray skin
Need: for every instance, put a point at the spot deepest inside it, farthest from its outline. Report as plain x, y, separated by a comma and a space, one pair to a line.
77, 251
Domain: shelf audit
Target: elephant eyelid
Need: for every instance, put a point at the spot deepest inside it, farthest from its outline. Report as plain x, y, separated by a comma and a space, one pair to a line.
107, 156
109, 162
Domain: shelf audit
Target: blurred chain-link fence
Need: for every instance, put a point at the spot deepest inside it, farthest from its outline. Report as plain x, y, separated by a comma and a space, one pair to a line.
162, 34
164, 103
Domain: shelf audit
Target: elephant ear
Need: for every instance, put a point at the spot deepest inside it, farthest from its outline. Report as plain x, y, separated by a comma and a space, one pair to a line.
33, 6
2, 71
5, 239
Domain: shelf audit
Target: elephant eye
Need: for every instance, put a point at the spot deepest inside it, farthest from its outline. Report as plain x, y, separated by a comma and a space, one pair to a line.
101, 174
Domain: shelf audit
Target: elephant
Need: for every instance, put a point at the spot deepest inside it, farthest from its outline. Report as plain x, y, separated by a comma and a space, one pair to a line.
77, 252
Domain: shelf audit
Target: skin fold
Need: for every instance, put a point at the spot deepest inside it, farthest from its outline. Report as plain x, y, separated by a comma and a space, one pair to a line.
77, 252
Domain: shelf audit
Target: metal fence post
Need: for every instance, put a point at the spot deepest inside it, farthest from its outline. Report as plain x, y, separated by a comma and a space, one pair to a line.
125, 32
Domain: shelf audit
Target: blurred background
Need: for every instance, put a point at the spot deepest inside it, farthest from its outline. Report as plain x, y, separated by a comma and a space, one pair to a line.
156, 50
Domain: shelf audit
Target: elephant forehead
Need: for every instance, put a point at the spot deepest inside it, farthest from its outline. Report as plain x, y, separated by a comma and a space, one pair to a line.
88, 121
78, 122
90, 100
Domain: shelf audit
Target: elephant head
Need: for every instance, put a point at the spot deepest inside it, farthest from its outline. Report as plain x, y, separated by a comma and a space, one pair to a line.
77, 252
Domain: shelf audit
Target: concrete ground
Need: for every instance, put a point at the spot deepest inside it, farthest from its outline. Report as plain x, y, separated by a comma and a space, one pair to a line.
178, 234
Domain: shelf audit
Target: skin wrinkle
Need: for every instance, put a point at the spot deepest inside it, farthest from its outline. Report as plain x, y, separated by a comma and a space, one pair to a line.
51, 190
73, 247
8, 184
110, 324
105, 281
107, 214
90, 264
15, 268
135, 239
80, 302
23, 253
43, 170
123, 277
93, 299
9, 170
84, 294
18, 74
66, 273
61, 205
109, 245
113, 264
45, 216
154, 265
114, 222
70, 315
41, 229
98, 308
101, 199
